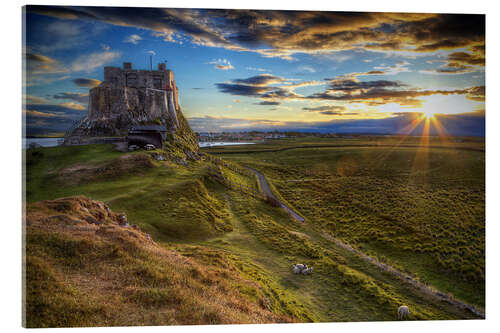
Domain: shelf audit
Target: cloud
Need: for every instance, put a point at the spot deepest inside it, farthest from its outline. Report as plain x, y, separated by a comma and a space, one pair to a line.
258, 69
78, 97
331, 110
260, 80
307, 69
284, 33
73, 106
381, 92
241, 89
477, 94
30, 99
255, 86
268, 103
39, 58
346, 88
40, 64
64, 109
222, 64
41, 69
336, 108
133, 39
87, 83
462, 62
89, 62
35, 113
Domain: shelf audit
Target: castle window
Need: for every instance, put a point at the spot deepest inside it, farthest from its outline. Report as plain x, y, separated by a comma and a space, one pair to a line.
131, 79
157, 82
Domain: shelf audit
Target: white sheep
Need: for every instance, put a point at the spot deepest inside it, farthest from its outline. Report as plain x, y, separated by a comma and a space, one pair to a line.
307, 271
403, 312
301, 268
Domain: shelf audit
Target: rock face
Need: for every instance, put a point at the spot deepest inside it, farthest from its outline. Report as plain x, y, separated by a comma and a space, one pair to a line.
129, 98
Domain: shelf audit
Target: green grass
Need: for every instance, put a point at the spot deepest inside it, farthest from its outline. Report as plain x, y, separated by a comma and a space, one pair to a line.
419, 209
359, 195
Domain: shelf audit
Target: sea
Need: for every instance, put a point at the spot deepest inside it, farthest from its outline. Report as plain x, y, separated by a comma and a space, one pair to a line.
216, 144
52, 142
44, 142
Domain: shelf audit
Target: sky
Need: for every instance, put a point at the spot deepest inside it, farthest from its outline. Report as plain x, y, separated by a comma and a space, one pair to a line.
243, 70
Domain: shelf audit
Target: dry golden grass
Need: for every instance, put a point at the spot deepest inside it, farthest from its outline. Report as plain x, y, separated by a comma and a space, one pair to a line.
84, 269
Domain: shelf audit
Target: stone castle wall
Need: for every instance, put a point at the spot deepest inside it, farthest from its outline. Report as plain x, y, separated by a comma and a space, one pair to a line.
129, 97
160, 79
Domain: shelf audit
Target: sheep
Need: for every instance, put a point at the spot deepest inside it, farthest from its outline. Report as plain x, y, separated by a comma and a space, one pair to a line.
403, 312
307, 271
302, 268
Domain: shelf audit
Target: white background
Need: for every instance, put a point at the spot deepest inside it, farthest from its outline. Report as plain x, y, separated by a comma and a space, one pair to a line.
10, 159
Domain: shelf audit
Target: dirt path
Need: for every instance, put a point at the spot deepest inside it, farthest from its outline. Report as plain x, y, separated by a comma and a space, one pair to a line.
266, 190
427, 289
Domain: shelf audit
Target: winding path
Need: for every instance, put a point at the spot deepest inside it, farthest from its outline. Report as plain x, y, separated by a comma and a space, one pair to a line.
266, 190
427, 289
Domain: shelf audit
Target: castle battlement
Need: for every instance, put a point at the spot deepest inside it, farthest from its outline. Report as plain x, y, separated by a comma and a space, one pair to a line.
160, 79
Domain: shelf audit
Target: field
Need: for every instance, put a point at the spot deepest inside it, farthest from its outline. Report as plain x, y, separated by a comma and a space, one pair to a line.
419, 210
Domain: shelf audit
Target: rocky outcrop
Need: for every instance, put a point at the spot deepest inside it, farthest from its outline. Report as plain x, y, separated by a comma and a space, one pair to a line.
113, 110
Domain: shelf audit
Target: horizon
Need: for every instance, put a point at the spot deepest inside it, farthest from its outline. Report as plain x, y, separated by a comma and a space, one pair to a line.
267, 70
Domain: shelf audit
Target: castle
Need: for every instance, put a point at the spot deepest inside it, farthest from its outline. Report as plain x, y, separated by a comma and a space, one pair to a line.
126, 99
161, 79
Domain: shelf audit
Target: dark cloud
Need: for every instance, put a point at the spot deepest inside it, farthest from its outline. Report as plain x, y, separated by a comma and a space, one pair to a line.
346, 85
331, 110
381, 92
463, 62
260, 80
335, 108
343, 89
256, 86
87, 83
241, 89
78, 97
268, 103
476, 93
282, 33
281, 93
336, 113
466, 58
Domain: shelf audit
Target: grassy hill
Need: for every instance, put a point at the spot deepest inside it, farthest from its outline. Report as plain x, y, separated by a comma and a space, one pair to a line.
244, 244
419, 209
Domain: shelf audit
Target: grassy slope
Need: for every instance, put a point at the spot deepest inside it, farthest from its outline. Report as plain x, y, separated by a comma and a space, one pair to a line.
421, 210
189, 213
81, 274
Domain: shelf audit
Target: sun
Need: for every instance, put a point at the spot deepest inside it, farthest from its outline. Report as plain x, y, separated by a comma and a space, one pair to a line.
428, 114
